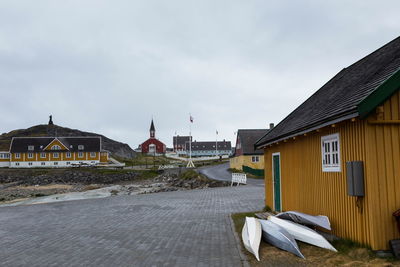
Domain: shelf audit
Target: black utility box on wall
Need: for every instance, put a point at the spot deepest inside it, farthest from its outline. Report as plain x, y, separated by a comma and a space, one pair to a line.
355, 178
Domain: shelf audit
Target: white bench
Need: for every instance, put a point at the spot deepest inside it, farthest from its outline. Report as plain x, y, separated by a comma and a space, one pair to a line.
239, 178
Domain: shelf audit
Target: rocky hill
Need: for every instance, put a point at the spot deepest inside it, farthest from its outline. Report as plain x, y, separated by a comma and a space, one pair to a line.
116, 148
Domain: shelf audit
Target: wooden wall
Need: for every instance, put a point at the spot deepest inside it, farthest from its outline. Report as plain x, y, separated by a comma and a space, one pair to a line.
307, 189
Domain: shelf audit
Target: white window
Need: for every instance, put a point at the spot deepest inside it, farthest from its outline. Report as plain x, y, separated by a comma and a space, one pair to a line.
92, 154
68, 155
30, 163
56, 147
31, 148
17, 156
30, 155
43, 163
42, 155
56, 163
80, 154
68, 163
330, 146
255, 159
17, 164
55, 155
81, 147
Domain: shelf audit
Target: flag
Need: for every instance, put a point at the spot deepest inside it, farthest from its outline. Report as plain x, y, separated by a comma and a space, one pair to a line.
191, 119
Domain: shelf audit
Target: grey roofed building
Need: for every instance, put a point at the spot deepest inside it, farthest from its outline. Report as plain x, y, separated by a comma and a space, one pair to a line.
179, 142
347, 95
207, 148
246, 139
38, 144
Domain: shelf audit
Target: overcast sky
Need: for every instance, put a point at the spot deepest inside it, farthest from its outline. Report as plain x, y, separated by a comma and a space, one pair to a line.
110, 66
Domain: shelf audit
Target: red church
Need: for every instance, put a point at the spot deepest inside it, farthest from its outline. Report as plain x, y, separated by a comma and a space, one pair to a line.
153, 145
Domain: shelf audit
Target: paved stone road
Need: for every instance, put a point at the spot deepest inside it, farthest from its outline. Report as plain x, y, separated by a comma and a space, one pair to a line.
184, 228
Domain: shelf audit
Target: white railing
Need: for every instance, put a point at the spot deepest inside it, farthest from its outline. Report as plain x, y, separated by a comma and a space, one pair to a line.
239, 178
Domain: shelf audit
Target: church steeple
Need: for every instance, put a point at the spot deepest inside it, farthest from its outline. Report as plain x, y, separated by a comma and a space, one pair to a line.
152, 130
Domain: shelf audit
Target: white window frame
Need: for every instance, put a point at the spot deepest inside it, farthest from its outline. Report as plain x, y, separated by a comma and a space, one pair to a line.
81, 147
17, 155
56, 155
255, 159
31, 148
80, 154
68, 155
92, 154
30, 155
330, 153
42, 155
56, 147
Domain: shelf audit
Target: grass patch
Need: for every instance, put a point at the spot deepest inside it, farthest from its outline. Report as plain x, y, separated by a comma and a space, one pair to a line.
145, 160
346, 245
144, 175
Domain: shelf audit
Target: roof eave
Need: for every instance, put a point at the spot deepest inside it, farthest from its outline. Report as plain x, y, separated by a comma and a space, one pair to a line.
322, 124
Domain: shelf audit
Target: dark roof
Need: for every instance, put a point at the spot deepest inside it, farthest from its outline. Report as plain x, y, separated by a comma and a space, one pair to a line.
248, 137
180, 140
341, 97
152, 126
209, 145
20, 144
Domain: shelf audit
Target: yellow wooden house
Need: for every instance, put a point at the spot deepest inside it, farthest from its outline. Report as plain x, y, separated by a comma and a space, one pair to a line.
245, 157
338, 153
28, 152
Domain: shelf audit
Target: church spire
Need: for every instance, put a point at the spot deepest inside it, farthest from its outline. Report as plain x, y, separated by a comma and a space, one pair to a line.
152, 130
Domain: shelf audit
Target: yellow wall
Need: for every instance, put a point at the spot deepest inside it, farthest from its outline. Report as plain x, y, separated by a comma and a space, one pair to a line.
55, 142
307, 189
104, 157
4, 159
239, 161
62, 156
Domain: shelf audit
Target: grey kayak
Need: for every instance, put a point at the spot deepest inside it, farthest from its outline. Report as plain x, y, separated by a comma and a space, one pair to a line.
279, 237
302, 218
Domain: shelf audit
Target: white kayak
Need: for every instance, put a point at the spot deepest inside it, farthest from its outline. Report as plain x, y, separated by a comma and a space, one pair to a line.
303, 218
302, 233
251, 235
279, 237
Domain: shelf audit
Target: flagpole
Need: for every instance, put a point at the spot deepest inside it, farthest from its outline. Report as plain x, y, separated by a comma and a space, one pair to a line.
216, 143
190, 163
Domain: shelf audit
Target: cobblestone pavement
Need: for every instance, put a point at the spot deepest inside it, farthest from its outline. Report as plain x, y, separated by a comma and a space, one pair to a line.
183, 228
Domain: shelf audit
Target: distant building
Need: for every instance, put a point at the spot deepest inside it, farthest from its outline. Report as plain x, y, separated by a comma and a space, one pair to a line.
152, 145
30, 152
207, 148
245, 156
180, 143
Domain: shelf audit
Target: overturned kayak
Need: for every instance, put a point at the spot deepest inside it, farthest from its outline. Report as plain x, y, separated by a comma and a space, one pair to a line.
251, 235
302, 233
279, 237
302, 218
